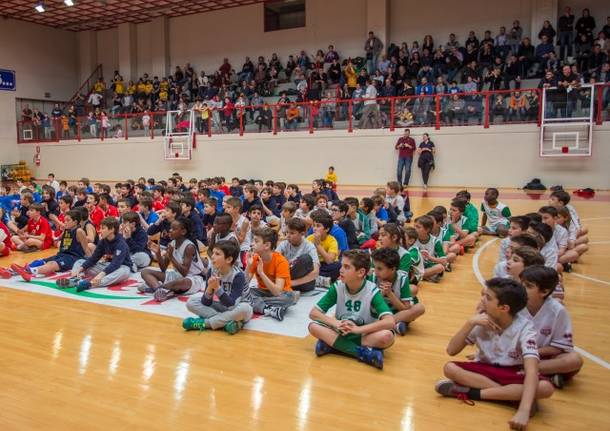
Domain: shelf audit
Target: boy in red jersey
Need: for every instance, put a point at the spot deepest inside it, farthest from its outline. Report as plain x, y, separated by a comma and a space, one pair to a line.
37, 235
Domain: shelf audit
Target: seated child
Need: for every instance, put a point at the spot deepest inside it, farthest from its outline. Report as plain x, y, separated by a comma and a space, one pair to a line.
188, 275
394, 202
289, 210
416, 261
187, 209
108, 210
516, 241
565, 219
110, 263
339, 211
381, 214
552, 324
521, 258
506, 364
360, 220
391, 236
301, 254
445, 233
465, 230
496, 215
136, 238
232, 309
209, 213
6, 245
394, 287
561, 198
256, 222
73, 246
549, 249
162, 226
306, 206
367, 206
19, 215
470, 212
327, 248
274, 293
250, 198
293, 194
222, 230
517, 226
37, 235
431, 249
550, 216
240, 225
65, 204
362, 324
147, 215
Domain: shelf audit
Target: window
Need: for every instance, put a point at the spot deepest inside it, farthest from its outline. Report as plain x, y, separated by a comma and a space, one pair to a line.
284, 14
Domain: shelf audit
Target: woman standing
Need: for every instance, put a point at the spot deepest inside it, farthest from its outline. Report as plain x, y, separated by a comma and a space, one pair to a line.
425, 162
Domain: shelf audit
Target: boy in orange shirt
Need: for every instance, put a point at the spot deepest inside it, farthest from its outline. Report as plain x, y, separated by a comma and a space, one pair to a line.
274, 294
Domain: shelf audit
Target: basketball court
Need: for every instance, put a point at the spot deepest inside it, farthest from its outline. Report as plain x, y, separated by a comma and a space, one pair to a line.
69, 363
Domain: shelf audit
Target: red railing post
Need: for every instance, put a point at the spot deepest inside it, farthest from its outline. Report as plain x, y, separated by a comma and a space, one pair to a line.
392, 113
126, 134
275, 119
437, 109
78, 129
486, 121
350, 110
310, 118
241, 121
600, 99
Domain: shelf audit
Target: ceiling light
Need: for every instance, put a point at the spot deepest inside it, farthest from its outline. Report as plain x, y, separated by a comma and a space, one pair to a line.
40, 7
69, 2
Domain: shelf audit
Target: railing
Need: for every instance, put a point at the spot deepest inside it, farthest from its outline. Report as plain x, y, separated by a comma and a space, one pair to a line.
486, 108
88, 84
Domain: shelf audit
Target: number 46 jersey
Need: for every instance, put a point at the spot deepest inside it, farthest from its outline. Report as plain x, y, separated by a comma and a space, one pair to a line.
363, 307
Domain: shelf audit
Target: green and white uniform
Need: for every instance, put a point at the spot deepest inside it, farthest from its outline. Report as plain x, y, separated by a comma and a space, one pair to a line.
472, 215
434, 246
416, 263
400, 287
496, 216
447, 232
363, 307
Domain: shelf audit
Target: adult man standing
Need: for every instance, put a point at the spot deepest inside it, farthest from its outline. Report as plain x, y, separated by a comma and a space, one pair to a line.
372, 47
405, 146
370, 112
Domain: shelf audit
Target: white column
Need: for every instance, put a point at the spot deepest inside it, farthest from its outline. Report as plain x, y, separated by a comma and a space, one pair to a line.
160, 47
128, 45
377, 19
87, 54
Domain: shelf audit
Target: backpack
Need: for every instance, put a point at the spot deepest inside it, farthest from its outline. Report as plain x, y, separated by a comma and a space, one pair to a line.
535, 184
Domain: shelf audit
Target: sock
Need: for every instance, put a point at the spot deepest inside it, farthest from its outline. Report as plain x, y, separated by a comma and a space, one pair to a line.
474, 394
345, 345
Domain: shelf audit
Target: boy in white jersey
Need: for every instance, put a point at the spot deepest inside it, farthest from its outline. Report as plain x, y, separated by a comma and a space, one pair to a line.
516, 241
517, 226
363, 322
188, 275
394, 286
232, 309
496, 215
552, 324
506, 366
431, 249
416, 268
550, 217
561, 198
549, 249
565, 219
256, 222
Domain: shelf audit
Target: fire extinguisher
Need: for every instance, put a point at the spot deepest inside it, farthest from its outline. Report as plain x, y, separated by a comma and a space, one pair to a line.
37, 156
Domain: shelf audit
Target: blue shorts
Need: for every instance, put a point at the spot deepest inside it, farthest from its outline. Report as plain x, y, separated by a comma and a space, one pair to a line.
65, 261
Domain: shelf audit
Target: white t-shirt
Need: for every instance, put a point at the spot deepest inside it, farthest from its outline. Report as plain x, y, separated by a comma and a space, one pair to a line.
508, 348
552, 324
550, 252
560, 236
574, 215
504, 244
246, 243
290, 252
55, 185
496, 216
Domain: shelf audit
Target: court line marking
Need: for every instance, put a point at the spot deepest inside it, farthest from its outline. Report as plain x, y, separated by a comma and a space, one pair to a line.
586, 277
595, 218
599, 242
481, 279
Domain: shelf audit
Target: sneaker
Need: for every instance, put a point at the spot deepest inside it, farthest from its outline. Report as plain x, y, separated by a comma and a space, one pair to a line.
296, 295
448, 388
567, 267
143, 288
370, 356
402, 328
436, 278
65, 283
27, 276
276, 312
194, 323
448, 267
233, 327
37, 263
322, 348
558, 380
162, 294
83, 285
5, 273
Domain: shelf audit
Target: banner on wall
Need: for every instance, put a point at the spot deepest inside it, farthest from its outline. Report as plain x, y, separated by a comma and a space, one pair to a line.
7, 80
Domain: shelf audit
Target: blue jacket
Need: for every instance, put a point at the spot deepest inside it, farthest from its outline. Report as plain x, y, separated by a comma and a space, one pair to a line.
116, 250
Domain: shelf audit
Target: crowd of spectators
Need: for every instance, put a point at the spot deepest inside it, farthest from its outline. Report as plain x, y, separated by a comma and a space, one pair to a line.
458, 70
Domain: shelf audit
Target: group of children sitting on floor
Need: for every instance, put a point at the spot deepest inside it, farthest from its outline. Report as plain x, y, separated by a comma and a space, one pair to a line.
254, 248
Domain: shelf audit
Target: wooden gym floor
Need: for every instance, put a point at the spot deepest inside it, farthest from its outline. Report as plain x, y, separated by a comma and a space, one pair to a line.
71, 365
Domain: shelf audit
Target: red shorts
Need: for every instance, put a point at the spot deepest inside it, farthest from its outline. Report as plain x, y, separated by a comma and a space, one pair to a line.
5, 252
501, 375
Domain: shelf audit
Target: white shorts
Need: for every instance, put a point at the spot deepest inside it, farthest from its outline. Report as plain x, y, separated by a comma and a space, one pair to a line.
197, 282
